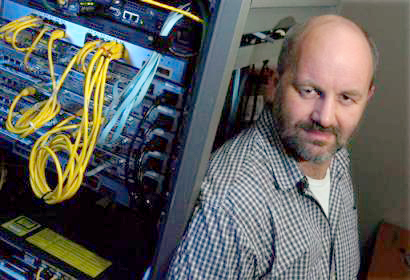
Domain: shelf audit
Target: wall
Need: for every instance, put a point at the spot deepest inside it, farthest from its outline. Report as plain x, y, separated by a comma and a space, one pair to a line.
380, 157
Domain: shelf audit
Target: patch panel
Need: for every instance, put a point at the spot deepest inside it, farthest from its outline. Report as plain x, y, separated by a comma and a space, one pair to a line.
38, 74
144, 16
140, 45
154, 120
71, 94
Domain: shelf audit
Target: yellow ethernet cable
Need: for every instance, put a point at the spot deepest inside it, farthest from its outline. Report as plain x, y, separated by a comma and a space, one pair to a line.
9, 31
35, 117
13, 24
84, 52
171, 8
34, 45
84, 127
55, 35
55, 141
42, 112
25, 25
39, 271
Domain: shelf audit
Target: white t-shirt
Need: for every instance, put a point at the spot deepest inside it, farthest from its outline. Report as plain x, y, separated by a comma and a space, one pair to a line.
321, 191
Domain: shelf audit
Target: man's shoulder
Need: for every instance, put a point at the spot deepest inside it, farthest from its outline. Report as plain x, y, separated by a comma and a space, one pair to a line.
240, 165
227, 161
248, 146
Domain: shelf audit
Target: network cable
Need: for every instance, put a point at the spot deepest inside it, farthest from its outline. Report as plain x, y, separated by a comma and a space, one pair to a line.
9, 31
34, 45
39, 271
174, 9
42, 112
55, 142
136, 89
137, 135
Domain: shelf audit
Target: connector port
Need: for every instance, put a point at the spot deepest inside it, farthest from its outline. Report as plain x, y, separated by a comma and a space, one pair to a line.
134, 18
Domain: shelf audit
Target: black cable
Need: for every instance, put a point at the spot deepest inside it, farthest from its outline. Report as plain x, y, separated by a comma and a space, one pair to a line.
132, 188
138, 168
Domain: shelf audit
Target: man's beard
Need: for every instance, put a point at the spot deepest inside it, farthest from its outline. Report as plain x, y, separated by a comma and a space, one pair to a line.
297, 145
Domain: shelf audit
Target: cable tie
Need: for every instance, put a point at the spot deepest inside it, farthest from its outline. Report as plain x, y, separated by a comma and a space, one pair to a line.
36, 107
32, 125
99, 168
42, 198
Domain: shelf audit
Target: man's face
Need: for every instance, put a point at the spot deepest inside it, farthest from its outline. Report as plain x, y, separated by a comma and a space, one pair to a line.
320, 102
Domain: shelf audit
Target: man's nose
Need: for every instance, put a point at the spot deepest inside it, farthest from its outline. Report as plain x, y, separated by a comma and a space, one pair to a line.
325, 111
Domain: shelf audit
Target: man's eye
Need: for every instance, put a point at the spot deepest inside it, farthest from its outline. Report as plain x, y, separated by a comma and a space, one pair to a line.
345, 99
308, 92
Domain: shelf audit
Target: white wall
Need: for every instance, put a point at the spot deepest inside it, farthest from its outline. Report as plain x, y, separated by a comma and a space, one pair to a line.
380, 151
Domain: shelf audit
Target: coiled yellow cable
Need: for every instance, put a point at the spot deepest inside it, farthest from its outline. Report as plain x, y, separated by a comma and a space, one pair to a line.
13, 24
10, 31
78, 154
58, 140
35, 117
42, 112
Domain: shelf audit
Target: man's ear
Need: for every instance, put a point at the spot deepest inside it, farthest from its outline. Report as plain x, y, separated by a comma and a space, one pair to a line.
371, 92
271, 87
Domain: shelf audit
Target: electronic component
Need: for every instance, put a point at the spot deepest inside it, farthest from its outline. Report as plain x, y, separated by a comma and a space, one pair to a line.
164, 100
139, 45
32, 251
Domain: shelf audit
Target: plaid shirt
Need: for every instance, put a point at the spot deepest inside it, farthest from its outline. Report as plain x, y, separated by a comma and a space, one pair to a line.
257, 219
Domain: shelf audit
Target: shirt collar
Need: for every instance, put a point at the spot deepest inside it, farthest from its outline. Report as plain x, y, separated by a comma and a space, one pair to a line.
286, 171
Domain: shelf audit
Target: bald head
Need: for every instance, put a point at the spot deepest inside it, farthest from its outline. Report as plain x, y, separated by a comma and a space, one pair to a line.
324, 33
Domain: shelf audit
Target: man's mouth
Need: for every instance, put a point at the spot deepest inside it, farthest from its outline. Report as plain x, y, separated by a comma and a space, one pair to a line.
318, 135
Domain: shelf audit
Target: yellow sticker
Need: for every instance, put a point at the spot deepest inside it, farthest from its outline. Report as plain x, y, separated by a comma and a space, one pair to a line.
21, 225
72, 253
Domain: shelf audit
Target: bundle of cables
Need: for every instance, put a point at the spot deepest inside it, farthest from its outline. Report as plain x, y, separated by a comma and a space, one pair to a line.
57, 140
136, 90
33, 118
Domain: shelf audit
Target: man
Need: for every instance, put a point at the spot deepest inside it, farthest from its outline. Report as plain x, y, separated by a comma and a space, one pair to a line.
277, 201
